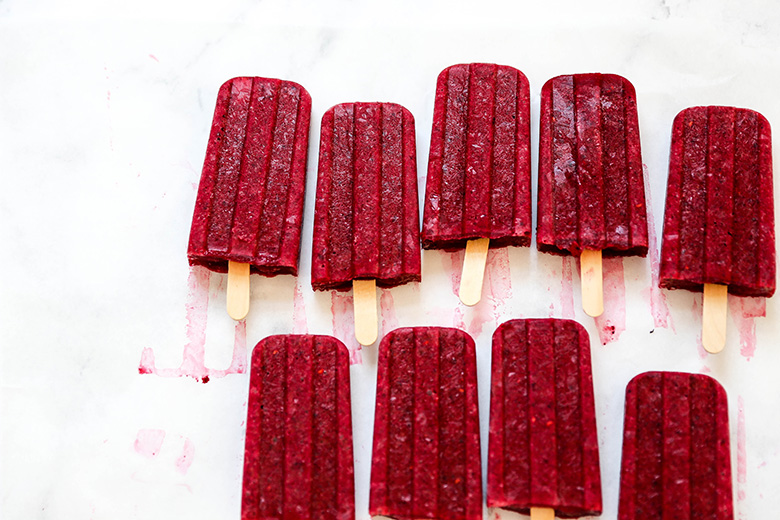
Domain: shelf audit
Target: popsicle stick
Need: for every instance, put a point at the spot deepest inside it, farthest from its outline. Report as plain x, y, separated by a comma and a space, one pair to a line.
592, 282
473, 271
542, 513
714, 315
364, 303
238, 290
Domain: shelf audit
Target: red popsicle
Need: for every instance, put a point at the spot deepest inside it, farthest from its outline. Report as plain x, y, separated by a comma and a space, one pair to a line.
478, 191
249, 208
543, 447
676, 460
298, 457
719, 231
366, 224
591, 197
426, 458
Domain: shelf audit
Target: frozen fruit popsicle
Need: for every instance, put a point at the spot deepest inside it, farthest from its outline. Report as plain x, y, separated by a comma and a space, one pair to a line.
543, 448
426, 459
719, 230
478, 192
676, 461
298, 457
591, 198
249, 208
366, 224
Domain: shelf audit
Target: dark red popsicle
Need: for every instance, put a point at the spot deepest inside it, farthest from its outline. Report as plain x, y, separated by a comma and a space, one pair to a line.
426, 458
719, 223
298, 456
479, 167
591, 187
366, 223
543, 447
249, 207
676, 460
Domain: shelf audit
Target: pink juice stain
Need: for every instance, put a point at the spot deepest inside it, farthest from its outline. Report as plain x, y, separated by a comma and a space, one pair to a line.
184, 461
387, 308
612, 323
148, 442
741, 450
300, 325
453, 263
744, 310
341, 307
496, 289
567, 287
193, 358
657, 299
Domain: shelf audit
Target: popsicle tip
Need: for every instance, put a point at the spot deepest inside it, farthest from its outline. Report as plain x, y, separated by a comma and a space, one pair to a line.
238, 290
473, 271
366, 318
592, 282
714, 317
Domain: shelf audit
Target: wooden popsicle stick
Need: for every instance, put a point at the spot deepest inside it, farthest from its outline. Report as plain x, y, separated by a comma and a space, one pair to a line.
542, 513
473, 271
238, 290
592, 282
364, 304
714, 314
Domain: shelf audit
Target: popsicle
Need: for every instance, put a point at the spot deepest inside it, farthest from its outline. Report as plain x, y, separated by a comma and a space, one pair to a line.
478, 190
249, 208
591, 199
298, 457
366, 223
426, 459
719, 229
676, 461
543, 453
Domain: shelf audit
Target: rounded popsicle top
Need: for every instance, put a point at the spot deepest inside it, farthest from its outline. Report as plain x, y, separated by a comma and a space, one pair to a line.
244, 83
652, 377
535, 322
628, 87
368, 105
473, 67
686, 113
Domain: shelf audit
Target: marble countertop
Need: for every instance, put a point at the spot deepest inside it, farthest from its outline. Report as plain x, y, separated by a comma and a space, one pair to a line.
123, 382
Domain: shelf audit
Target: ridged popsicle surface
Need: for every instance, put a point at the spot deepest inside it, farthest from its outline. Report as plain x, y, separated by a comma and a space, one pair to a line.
479, 166
591, 185
426, 452
249, 207
719, 219
366, 223
676, 456
298, 453
543, 446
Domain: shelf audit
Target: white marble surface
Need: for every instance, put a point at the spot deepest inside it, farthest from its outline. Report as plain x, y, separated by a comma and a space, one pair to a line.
104, 115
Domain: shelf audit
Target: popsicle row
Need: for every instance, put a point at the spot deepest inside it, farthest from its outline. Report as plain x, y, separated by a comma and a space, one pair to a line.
719, 218
542, 449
